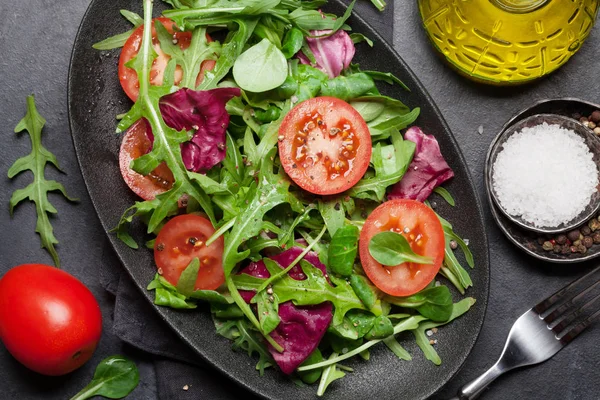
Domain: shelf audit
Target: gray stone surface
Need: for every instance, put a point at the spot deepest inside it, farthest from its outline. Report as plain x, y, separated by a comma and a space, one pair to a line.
35, 41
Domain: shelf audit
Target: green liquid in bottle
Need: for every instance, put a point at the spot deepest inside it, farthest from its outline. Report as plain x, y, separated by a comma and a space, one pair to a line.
508, 41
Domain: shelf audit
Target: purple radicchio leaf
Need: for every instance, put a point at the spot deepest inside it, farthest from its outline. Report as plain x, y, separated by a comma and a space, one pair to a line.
332, 54
427, 170
301, 328
203, 111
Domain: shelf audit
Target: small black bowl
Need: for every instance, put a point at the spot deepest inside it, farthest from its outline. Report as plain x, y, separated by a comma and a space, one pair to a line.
591, 141
524, 238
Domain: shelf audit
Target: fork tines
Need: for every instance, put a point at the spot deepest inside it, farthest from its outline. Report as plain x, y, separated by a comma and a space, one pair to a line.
564, 310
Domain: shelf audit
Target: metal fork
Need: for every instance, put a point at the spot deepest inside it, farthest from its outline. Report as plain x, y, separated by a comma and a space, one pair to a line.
542, 331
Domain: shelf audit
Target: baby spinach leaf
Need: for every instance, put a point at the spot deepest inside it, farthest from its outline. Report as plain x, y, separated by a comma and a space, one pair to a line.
312, 376
260, 68
38, 190
343, 249
292, 42
348, 87
458, 309
115, 377
382, 328
434, 303
391, 248
361, 321
330, 374
365, 292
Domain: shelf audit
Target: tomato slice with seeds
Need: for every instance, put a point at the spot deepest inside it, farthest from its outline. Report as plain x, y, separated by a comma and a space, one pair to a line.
181, 240
324, 145
128, 76
423, 230
135, 144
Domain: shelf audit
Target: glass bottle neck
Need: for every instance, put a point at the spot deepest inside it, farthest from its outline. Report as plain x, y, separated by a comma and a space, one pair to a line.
520, 6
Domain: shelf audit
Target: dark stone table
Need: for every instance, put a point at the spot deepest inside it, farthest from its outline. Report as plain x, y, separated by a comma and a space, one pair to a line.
35, 42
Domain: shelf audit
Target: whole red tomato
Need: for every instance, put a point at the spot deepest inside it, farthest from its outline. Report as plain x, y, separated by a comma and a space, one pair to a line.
49, 321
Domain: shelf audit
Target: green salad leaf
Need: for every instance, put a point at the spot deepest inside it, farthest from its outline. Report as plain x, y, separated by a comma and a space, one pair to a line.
391, 248
115, 377
38, 190
434, 303
343, 249
260, 68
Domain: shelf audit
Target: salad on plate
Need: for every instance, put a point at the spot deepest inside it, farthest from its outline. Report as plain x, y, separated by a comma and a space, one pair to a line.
281, 187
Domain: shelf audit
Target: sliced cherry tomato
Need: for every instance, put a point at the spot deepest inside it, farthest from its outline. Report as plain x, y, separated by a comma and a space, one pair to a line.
181, 240
49, 320
324, 145
423, 230
128, 77
135, 144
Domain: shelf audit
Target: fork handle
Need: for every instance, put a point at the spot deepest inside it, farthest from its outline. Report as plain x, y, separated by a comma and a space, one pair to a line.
473, 389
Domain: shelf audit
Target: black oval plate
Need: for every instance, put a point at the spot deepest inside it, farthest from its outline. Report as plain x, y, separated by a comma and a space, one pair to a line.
524, 239
95, 98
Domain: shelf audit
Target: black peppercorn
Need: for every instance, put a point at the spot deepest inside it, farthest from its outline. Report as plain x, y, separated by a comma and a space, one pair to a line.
596, 237
588, 241
585, 231
573, 235
595, 116
561, 239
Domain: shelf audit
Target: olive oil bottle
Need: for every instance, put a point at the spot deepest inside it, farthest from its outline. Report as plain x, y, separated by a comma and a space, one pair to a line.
508, 41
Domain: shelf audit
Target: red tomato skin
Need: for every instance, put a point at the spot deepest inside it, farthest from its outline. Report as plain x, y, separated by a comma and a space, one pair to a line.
135, 144
128, 76
317, 179
173, 251
420, 218
49, 321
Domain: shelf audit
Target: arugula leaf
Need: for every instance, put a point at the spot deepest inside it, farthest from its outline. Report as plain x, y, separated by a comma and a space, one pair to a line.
387, 77
38, 190
343, 249
191, 58
115, 377
245, 339
397, 348
268, 311
359, 37
380, 4
391, 163
434, 303
119, 40
166, 145
391, 248
452, 269
458, 309
260, 68
332, 211
445, 194
271, 190
329, 374
410, 323
348, 87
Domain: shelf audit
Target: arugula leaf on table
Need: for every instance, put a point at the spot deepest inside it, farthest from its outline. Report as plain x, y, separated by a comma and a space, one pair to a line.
434, 303
116, 41
38, 190
458, 309
115, 377
391, 163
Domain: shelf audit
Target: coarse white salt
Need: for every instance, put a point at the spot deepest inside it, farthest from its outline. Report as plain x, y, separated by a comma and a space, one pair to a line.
545, 174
